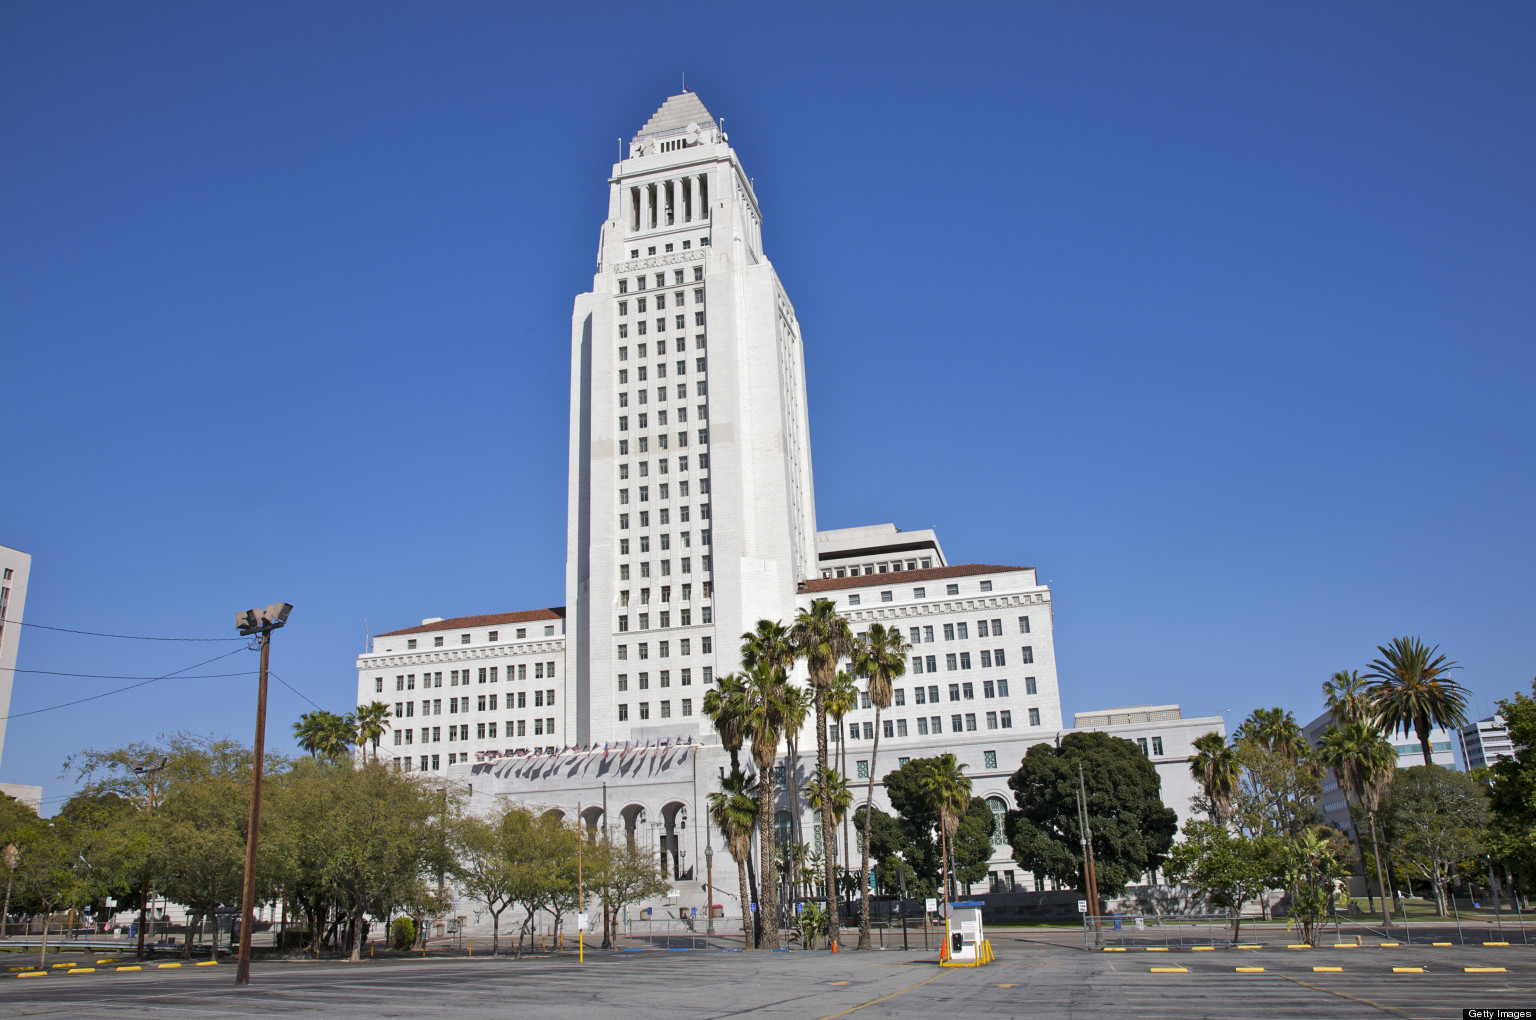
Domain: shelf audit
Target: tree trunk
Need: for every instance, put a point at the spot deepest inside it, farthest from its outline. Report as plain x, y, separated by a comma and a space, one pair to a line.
42, 956
768, 895
746, 901
495, 933
828, 826
357, 935
1421, 730
842, 747
869, 807
754, 934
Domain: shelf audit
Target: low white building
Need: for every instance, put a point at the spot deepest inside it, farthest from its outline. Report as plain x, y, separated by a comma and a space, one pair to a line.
15, 569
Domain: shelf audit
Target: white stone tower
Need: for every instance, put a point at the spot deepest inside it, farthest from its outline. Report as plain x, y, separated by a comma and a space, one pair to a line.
692, 513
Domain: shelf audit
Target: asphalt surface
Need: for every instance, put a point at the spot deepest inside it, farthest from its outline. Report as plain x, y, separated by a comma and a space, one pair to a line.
1030, 979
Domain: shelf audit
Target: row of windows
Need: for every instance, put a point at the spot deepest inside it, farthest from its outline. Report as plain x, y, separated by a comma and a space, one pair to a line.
684, 566
664, 618
962, 660
641, 396
491, 636
678, 347
457, 677
664, 678
659, 301
686, 617
661, 367
686, 706
483, 703
483, 731
961, 631
664, 649
922, 593
661, 278
661, 325
893, 566
663, 466
642, 421
663, 491
932, 725
665, 538
665, 513
957, 692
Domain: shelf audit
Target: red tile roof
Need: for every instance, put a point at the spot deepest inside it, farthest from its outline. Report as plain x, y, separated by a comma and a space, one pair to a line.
490, 620
903, 576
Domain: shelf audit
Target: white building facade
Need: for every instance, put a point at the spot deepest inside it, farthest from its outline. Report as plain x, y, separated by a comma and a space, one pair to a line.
1484, 742
691, 517
15, 570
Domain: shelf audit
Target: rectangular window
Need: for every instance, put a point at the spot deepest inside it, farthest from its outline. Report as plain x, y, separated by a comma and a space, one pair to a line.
954, 692
992, 721
687, 707
917, 664
970, 721
917, 635
965, 659
901, 727
901, 696
986, 658
479, 731
922, 726
919, 593
997, 628
933, 694
963, 630
889, 728
853, 600
885, 596
1157, 745
969, 691
863, 769
623, 681
623, 713
666, 709
997, 657
989, 758
956, 723
951, 661
853, 731
1034, 718
920, 694
869, 731
986, 586
1023, 625
1029, 685
936, 724
645, 710
949, 632
952, 589
1027, 654
932, 664
988, 689
981, 628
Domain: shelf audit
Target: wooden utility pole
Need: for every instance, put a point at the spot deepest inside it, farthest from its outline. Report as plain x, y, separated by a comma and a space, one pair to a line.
149, 770
1090, 879
261, 623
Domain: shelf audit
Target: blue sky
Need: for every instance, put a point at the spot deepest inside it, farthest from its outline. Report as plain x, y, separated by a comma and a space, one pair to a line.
1222, 316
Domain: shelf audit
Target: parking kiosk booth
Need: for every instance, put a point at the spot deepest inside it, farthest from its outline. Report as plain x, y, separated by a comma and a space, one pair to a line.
965, 944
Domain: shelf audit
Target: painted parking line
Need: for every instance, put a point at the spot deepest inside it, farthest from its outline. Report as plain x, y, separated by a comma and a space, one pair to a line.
1388, 945
1407, 970
166, 966
100, 962
1008, 986
1327, 970
207, 963
1248, 947
1249, 970
130, 967
82, 970
1157, 949
1114, 949
1442, 943
838, 982
1485, 970
1202, 949
1495, 943
1299, 945
59, 966
1170, 970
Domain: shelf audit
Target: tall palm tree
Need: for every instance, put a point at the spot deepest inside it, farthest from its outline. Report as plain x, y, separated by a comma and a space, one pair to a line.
324, 734
880, 656
842, 697
797, 705
372, 720
734, 812
1363, 762
725, 707
1412, 689
1348, 697
947, 790
767, 707
822, 638
1275, 730
835, 798
1216, 769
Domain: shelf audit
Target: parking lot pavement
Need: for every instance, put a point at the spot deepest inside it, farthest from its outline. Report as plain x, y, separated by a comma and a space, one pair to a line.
1029, 979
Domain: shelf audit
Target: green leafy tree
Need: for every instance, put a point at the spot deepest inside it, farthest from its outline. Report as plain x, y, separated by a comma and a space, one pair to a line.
1225, 867
1273, 729
325, 734
880, 656
1439, 820
1278, 785
1312, 867
486, 854
821, 637
628, 872
1413, 691
1132, 829
1348, 696
1513, 793
46, 876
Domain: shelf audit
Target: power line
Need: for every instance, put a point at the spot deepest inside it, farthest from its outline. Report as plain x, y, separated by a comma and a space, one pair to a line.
107, 694
124, 637
294, 689
111, 676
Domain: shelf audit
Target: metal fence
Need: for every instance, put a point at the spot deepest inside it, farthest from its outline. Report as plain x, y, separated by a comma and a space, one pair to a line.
1187, 931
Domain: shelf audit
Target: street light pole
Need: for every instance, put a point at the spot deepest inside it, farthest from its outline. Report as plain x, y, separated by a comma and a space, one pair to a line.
260, 622
149, 770
709, 871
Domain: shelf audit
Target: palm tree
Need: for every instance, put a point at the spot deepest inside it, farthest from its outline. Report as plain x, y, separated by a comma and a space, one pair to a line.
797, 705
947, 790
725, 708
767, 706
1348, 697
734, 812
1216, 769
372, 720
1275, 730
842, 697
822, 638
881, 657
1363, 762
835, 803
1412, 688
323, 733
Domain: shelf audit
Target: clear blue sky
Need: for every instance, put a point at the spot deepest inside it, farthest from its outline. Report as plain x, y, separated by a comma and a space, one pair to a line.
1220, 315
